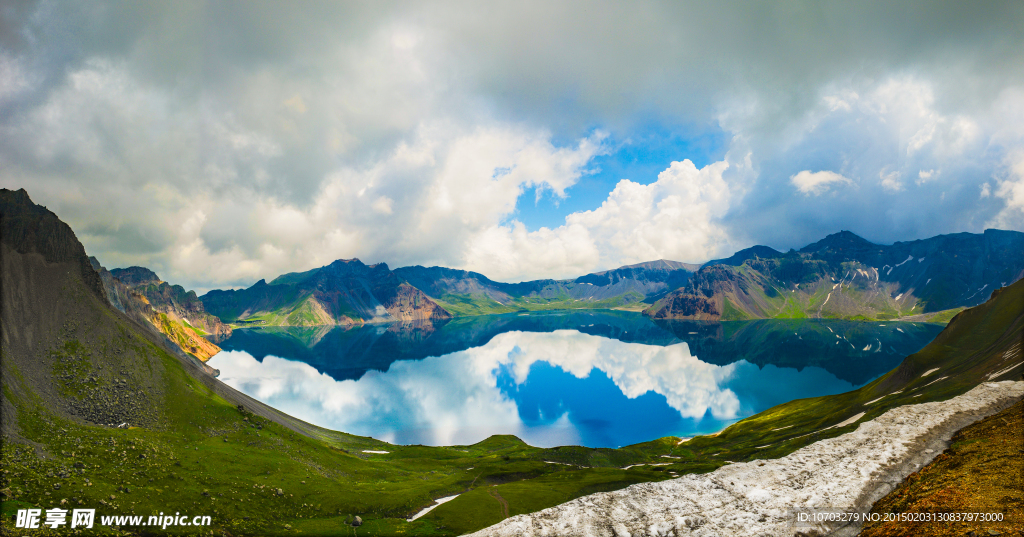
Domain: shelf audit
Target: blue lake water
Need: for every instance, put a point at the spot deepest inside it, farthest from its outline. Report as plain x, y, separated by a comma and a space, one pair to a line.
593, 378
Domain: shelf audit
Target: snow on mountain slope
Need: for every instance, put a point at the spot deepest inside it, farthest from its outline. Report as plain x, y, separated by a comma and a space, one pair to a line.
759, 498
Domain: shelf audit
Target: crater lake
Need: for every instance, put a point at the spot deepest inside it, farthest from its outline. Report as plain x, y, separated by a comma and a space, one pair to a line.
591, 378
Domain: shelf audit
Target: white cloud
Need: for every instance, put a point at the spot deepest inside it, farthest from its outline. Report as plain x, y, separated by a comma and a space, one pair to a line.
1011, 190
383, 205
441, 120
676, 217
817, 183
890, 180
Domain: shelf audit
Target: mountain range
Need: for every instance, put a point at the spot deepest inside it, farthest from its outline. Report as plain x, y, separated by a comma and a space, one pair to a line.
101, 411
842, 276
845, 276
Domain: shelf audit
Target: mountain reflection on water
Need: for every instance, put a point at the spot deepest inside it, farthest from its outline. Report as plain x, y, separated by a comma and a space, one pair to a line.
595, 378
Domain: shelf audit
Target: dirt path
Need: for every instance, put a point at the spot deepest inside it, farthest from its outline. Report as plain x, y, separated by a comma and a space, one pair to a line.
504, 503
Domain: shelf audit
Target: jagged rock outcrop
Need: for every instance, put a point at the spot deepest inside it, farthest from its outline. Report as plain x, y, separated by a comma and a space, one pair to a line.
136, 276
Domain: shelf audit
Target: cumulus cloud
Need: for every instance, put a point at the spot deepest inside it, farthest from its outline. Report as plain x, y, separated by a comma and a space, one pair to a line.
929, 159
675, 217
817, 183
408, 133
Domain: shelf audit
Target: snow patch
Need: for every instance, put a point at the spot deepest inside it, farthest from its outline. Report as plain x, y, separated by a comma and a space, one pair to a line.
437, 502
377, 452
920, 260
846, 473
846, 422
1004, 371
929, 372
936, 380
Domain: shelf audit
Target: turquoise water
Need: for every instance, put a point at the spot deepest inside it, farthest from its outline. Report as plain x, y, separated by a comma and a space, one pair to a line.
595, 378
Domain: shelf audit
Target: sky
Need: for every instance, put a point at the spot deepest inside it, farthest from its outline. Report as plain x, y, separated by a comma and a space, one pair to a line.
219, 143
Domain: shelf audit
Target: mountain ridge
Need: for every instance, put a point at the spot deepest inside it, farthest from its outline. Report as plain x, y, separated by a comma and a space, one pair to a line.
841, 276
846, 276
345, 292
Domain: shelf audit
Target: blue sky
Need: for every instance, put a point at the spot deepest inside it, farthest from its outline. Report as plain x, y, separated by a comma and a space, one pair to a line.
218, 143
639, 157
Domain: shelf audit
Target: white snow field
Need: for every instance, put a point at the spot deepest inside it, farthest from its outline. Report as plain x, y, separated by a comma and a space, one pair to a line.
758, 499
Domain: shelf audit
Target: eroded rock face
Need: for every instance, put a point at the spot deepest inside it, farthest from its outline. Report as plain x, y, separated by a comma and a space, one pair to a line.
680, 305
848, 473
139, 293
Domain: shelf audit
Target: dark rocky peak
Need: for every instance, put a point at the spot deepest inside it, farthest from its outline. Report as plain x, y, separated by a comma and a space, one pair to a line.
133, 276
30, 228
753, 252
380, 268
344, 267
844, 241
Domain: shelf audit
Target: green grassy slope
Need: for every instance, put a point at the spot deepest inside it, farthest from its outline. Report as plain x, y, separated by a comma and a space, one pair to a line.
464, 305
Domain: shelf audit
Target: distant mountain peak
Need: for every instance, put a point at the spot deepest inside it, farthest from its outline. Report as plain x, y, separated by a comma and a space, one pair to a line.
839, 241
658, 264
739, 257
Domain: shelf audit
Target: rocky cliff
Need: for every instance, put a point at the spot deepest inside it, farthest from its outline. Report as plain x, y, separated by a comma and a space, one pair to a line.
139, 293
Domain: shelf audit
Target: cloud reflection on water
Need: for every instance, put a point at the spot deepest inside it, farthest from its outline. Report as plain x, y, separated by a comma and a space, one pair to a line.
456, 398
